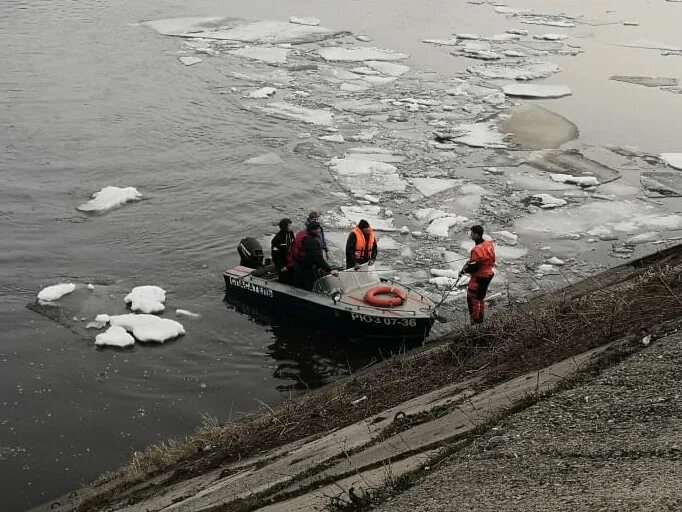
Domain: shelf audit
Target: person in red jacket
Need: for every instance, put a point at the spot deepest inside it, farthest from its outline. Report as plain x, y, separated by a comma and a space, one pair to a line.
481, 266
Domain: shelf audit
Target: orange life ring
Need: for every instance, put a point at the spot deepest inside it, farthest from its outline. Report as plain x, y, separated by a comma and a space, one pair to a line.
397, 298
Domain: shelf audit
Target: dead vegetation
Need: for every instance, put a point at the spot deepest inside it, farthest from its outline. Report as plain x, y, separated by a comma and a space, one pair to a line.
632, 300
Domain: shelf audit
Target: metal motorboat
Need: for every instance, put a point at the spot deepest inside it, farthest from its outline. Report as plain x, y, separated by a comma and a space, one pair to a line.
357, 303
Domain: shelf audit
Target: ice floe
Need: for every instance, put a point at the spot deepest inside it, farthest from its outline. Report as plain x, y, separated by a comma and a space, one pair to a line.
269, 54
147, 299
431, 186
351, 215
672, 159
536, 91
480, 135
266, 159
530, 126
336, 54
55, 292
110, 197
233, 29
262, 93
647, 81
519, 71
547, 201
311, 22
115, 336
550, 37
189, 61
581, 181
507, 237
441, 226
148, 327
307, 115
365, 175
337, 138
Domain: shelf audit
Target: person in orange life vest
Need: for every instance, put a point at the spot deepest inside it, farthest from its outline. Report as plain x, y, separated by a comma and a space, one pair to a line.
361, 246
481, 266
309, 263
281, 248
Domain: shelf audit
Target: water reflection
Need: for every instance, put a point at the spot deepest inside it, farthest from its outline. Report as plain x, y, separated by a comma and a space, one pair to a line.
307, 357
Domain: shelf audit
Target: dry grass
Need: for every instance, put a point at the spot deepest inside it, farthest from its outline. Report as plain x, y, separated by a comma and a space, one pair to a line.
527, 337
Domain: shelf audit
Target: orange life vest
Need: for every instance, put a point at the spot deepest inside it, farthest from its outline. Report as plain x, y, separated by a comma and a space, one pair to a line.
484, 255
363, 246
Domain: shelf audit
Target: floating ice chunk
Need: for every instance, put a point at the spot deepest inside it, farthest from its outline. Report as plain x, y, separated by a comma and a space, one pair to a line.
386, 243
556, 261
431, 186
149, 327
507, 237
520, 71
547, 201
647, 81
404, 230
618, 189
147, 299
480, 135
55, 292
371, 213
336, 54
110, 197
441, 226
271, 55
468, 37
581, 181
513, 53
661, 184
429, 214
517, 31
537, 91
310, 22
444, 282
453, 41
103, 318
644, 238
358, 166
375, 154
115, 336
452, 274
672, 159
264, 92
266, 159
550, 37
189, 61
366, 175
306, 115
232, 29
552, 21
337, 137
91, 286
350, 87
546, 269
184, 312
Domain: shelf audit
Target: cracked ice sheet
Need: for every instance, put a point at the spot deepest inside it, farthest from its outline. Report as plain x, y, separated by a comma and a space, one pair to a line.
431, 186
336, 54
307, 115
599, 218
235, 29
351, 215
268, 54
362, 176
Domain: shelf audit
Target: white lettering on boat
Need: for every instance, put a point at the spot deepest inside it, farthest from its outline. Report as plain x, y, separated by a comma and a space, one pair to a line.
368, 319
255, 288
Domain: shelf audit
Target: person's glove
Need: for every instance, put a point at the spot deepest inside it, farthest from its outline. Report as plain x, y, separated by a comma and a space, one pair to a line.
371, 262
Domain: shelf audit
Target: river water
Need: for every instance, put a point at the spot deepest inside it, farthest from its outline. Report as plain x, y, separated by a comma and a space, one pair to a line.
89, 98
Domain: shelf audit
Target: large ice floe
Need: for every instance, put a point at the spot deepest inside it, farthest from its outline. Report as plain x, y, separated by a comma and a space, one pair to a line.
55, 292
672, 159
149, 328
536, 91
336, 54
146, 299
520, 71
234, 29
110, 197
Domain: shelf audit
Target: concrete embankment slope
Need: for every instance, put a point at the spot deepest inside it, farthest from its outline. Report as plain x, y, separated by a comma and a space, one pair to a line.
545, 403
613, 442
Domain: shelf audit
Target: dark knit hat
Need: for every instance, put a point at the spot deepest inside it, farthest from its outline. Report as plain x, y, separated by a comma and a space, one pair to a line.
313, 225
363, 224
284, 223
477, 230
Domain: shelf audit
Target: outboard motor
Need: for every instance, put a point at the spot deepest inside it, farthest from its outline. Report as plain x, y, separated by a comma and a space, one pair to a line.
250, 252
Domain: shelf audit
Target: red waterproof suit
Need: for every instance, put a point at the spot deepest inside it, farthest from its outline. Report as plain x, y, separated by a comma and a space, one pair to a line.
481, 266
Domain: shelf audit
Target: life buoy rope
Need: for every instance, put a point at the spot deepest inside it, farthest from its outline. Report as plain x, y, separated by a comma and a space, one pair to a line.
396, 296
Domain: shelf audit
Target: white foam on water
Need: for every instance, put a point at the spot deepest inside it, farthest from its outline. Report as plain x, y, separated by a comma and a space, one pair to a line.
431, 186
147, 299
149, 327
336, 54
262, 93
307, 115
55, 292
266, 159
672, 159
537, 91
115, 336
110, 197
269, 54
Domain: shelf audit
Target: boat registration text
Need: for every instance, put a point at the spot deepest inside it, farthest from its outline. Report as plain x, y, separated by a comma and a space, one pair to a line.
368, 319
255, 288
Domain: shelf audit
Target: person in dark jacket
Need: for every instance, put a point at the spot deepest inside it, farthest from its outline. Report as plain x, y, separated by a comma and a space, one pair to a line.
281, 249
361, 246
313, 216
309, 264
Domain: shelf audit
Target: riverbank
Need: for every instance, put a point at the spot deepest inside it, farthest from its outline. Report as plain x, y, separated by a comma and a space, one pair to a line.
524, 353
